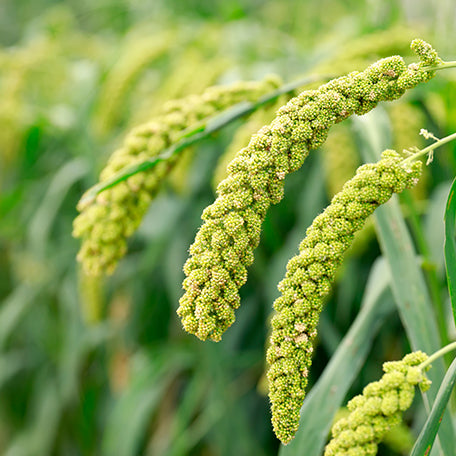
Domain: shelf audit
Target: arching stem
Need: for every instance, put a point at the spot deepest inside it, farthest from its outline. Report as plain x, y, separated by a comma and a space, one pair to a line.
441, 66
437, 355
431, 148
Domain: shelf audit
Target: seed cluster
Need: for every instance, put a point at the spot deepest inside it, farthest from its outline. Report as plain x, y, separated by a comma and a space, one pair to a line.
310, 275
243, 135
105, 224
378, 409
224, 245
340, 161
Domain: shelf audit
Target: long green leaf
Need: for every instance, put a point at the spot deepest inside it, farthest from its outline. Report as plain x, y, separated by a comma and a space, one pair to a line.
450, 245
198, 132
434, 227
13, 308
327, 395
11, 363
426, 438
40, 226
183, 430
133, 411
408, 283
45, 410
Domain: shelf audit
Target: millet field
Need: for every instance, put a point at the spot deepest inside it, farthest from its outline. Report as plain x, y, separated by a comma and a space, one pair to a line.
227, 228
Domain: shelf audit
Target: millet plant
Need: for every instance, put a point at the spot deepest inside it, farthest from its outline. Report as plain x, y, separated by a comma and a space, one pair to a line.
254, 180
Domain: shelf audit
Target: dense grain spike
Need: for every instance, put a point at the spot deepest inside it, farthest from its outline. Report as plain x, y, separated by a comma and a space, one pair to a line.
224, 245
310, 275
106, 223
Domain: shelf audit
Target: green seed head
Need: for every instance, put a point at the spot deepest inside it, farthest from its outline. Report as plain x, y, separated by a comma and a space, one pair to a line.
256, 180
374, 413
309, 277
105, 224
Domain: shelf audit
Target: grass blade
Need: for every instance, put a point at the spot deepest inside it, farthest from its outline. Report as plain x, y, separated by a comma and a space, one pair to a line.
43, 219
327, 395
426, 438
198, 132
41, 430
450, 245
13, 308
133, 411
434, 226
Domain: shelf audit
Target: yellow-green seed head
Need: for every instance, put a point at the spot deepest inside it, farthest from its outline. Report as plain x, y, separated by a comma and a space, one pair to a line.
308, 280
232, 224
242, 138
106, 223
374, 413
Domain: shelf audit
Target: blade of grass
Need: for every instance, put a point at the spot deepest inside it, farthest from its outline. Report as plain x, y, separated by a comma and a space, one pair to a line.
327, 395
41, 224
427, 436
450, 245
78, 340
183, 435
132, 413
14, 308
417, 229
435, 227
198, 132
13, 362
39, 434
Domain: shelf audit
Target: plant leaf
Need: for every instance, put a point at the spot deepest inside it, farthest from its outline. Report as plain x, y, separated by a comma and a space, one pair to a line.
132, 412
450, 245
427, 435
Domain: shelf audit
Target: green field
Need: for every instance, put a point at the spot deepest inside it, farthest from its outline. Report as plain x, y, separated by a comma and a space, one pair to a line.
94, 359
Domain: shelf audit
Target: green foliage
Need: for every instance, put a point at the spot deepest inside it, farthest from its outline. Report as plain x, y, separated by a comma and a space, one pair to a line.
450, 246
428, 434
100, 365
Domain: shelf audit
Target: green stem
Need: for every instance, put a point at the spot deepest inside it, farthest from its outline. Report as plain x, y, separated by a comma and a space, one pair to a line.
437, 355
196, 133
441, 66
426, 150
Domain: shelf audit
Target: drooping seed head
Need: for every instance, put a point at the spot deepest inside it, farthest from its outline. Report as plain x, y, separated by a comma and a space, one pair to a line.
309, 277
256, 180
105, 224
379, 408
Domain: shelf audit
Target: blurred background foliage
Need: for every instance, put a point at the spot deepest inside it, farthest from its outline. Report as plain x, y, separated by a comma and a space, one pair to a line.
102, 367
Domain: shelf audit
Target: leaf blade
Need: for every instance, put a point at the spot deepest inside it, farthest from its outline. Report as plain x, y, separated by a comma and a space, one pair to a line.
427, 435
450, 245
